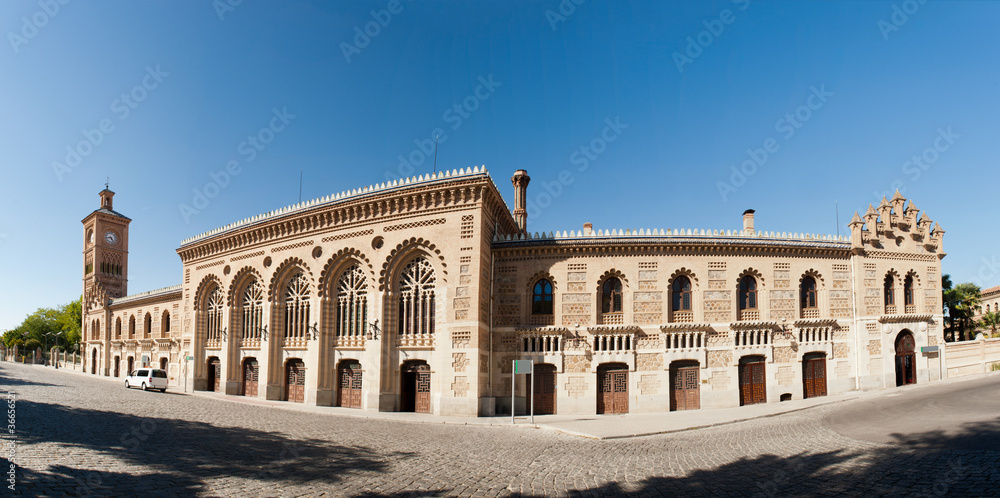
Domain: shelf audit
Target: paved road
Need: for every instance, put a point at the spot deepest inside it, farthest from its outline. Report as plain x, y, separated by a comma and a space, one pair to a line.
83, 436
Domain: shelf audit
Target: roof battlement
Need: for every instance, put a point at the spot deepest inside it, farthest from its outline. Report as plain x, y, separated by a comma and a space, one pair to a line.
653, 234
345, 196
896, 225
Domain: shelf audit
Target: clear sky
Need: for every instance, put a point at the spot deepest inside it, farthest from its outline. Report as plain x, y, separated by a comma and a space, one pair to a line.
625, 114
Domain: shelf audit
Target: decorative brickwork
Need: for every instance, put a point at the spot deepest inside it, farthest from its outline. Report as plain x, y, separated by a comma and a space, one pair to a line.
576, 287
841, 349
786, 376
717, 339
461, 338
459, 361
576, 276
784, 354
648, 318
460, 387
649, 384
717, 284
576, 363
720, 381
648, 285
343, 236
415, 224
576, 387
875, 347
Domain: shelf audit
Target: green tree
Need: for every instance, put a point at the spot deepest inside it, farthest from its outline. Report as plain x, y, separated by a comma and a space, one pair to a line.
69, 319
991, 321
966, 298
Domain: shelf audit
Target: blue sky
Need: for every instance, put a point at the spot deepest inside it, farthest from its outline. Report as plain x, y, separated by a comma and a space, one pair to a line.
643, 124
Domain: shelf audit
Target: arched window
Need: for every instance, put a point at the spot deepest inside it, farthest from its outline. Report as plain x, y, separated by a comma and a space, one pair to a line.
890, 290
416, 298
213, 317
611, 296
251, 309
131, 327
808, 293
164, 324
681, 294
908, 290
296, 308
541, 298
118, 328
748, 293
352, 303
147, 326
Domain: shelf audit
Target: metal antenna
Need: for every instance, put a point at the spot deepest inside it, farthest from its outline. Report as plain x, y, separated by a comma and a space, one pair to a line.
836, 205
107, 182
300, 185
435, 153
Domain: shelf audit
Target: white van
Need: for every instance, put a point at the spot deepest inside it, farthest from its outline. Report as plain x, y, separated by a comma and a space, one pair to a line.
147, 378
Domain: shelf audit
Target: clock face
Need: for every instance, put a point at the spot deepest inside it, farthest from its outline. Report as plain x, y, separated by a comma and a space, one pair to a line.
110, 237
90, 236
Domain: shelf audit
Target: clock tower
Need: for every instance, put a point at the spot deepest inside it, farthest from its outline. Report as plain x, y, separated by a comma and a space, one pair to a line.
105, 254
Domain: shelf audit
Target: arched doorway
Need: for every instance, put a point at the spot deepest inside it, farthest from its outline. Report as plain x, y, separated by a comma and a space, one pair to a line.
93, 361
545, 388
612, 387
295, 378
906, 363
214, 374
349, 384
685, 389
753, 387
118, 362
251, 375
814, 375
131, 364
415, 392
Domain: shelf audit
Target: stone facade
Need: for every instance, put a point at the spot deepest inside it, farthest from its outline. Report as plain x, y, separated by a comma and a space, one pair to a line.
427, 289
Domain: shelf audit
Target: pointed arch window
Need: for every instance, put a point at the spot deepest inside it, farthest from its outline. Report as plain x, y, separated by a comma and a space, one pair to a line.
147, 326
251, 311
889, 292
213, 317
165, 324
352, 303
681, 294
296, 309
748, 293
908, 302
131, 327
416, 298
808, 293
611, 296
541, 297
118, 328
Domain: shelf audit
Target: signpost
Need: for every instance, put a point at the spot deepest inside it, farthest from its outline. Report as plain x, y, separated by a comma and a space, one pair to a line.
186, 360
522, 367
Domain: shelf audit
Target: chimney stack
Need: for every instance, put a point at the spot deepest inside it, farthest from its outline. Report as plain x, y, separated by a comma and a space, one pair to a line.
520, 181
588, 228
748, 220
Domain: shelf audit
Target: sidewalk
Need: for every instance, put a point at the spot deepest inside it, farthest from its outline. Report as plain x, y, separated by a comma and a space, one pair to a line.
590, 426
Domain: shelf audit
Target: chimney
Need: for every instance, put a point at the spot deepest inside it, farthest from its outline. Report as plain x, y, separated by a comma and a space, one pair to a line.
588, 228
520, 181
748, 220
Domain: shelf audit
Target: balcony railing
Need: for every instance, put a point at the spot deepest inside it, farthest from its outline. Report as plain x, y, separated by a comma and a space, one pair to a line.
541, 344
416, 340
812, 335
612, 318
684, 340
354, 341
910, 309
751, 338
890, 309
250, 343
614, 343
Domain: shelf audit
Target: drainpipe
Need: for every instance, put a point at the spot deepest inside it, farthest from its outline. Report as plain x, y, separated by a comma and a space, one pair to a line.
857, 322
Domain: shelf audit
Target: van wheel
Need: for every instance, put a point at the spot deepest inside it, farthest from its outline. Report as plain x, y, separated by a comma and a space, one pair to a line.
144, 386
126, 385
163, 390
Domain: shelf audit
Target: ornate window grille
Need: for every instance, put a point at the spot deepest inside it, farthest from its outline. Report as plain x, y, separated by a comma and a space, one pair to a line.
680, 302
352, 305
541, 299
252, 308
213, 318
416, 298
296, 310
808, 298
889, 287
748, 299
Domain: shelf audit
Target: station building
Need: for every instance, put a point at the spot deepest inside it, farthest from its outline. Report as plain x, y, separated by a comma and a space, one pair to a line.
417, 295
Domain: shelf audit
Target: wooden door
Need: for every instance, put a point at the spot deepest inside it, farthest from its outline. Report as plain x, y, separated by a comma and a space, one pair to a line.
251, 374
423, 400
349, 393
752, 384
214, 374
906, 368
613, 395
296, 378
814, 377
545, 389
118, 362
686, 393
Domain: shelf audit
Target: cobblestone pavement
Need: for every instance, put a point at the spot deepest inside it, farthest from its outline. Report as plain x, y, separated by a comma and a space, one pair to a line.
83, 436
